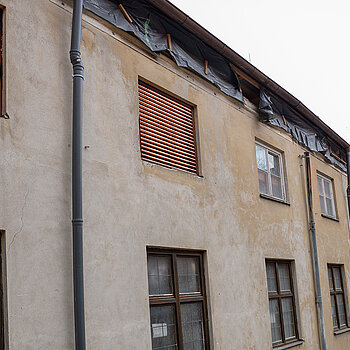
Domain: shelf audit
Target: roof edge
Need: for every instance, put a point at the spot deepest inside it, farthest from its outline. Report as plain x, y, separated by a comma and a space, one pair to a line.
195, 28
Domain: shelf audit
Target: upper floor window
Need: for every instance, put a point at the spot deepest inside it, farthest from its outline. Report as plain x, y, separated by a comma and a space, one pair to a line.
167, 130
282, 302
177, 300
270, 172
325, 190
336, 287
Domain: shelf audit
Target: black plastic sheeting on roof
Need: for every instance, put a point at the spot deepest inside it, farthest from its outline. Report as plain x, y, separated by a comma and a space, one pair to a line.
278, 113
151, 27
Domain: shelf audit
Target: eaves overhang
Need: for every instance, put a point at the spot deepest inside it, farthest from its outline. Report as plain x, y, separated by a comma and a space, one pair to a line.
246, 67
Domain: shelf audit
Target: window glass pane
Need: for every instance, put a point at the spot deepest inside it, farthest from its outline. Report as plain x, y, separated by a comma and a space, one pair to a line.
320, 186
271, 277
274, 164
337, 278
334, 312
275, 320
330, 279
163, 327
188, 273
261, 158
192, 326
263, 186
341, 310
288, 319
329, 207
327, 188
323, 205
159, 274
283, 275
276, 184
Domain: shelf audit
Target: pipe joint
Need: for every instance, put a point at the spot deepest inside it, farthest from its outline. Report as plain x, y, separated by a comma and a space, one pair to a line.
75, 58
77, 222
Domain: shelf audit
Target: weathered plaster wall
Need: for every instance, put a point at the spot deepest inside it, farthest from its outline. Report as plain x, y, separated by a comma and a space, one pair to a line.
35, 176
333, 243
129, 205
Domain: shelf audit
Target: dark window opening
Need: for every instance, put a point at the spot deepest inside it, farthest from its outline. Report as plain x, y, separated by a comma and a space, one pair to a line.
281, 293
2, 253
178, 310
2, 112
336, 287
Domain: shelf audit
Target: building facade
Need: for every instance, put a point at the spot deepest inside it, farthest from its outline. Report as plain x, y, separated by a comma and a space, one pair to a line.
196, 216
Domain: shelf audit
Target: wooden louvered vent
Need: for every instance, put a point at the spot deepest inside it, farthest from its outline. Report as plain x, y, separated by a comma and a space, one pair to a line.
167, 133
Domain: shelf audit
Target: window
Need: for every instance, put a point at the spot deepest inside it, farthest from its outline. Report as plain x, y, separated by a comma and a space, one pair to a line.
2, 66
2, 282
282, 302
167, 130
325, 190
336, 287
177, 300
270, 172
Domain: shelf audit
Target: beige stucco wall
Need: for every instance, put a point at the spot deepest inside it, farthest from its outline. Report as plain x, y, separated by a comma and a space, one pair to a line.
129, 204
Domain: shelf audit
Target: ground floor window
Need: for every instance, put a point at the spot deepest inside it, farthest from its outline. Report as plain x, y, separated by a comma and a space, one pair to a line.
2, 279
281, 302
177, 297
336, 287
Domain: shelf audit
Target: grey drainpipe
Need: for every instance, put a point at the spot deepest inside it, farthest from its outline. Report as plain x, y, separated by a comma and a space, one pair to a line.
77, 212
315, 264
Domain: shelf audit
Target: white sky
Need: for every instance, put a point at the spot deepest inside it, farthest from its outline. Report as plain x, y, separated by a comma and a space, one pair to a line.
303, 45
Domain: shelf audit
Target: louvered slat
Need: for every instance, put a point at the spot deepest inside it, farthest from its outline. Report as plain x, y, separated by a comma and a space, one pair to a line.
167, 135
165, 109
167, 106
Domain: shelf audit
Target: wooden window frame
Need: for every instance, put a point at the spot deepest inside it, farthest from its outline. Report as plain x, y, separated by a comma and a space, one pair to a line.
274, 152
324, 179
3, 112
4, 341
279, 295
173, 143
336, 292
178, 299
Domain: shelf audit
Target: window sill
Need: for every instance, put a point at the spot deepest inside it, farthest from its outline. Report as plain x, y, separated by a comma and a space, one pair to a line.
266, 196
341, 331
289, 345
330, 217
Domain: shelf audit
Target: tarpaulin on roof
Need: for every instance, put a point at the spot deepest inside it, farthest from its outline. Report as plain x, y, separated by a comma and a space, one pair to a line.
277, 112
151, 27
